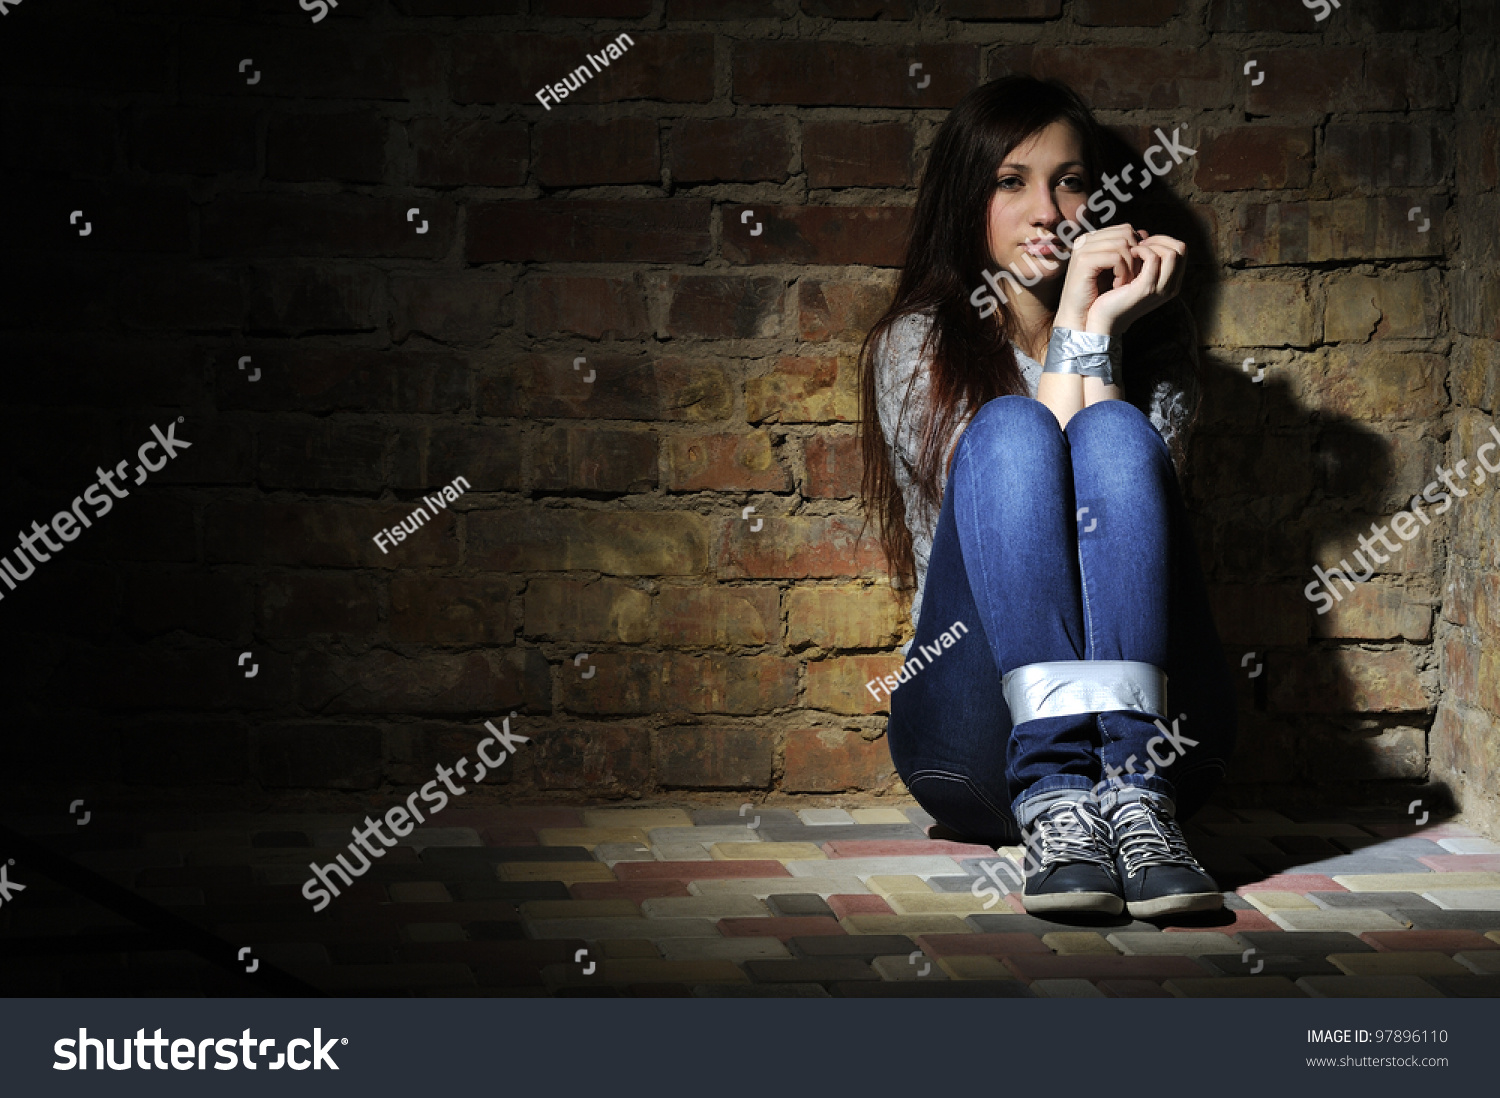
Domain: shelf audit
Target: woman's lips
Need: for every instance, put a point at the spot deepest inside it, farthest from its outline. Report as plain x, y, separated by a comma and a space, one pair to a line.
1041, 247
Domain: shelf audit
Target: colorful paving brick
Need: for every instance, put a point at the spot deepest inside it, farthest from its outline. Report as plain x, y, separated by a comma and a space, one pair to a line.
817, 900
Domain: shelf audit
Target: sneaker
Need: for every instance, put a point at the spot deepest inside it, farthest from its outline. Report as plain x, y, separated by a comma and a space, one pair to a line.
1158, 872
1070, 863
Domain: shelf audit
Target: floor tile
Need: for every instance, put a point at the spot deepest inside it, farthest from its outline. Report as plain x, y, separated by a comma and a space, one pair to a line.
1403, 963
1368, 987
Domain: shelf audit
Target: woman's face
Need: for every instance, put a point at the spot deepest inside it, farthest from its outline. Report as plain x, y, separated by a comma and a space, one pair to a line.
1041, 184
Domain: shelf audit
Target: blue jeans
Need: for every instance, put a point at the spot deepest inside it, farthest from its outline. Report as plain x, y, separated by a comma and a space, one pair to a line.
1034, 578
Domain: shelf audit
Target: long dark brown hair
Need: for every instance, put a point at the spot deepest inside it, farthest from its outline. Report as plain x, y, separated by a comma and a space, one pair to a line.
947, 253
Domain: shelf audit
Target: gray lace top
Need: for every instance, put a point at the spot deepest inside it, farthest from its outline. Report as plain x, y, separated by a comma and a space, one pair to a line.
1164, 385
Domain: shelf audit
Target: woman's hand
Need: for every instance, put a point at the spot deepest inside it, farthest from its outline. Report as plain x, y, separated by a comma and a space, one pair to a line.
1147, 272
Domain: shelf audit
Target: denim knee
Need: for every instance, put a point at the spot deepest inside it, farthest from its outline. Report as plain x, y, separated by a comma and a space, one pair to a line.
959, 804
1115, 423
1016, 426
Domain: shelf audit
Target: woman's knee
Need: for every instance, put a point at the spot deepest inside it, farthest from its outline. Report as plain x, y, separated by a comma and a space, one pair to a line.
962, 805
1113, 427
1016, 425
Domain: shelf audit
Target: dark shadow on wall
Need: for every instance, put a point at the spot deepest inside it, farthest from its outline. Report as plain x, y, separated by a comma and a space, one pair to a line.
1331, 709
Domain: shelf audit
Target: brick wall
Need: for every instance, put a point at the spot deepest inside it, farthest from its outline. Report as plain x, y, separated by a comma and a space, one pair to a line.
710, 225
1465, 739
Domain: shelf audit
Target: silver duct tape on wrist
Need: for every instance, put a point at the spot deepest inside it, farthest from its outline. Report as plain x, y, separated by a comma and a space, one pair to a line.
1065, 687
1090, 354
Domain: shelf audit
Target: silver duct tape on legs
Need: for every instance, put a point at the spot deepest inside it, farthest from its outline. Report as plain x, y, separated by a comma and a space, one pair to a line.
1064, 687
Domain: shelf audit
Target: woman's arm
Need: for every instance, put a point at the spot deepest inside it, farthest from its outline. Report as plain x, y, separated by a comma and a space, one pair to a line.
1146, 274
1068, 394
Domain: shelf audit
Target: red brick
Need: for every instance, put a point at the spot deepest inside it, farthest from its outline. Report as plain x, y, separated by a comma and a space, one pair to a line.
805, 389
1261, 158
587, 459
595, 307
699, 871
381, 682
739, 150
467, 610
717, 616
546, 387
1159, 78
551, 539
825, 760
1126, 13
1462, 863
1362, 156
844, 906
834, 464
468, 152
573, 610
690, 756
294, 299
1323, 79
1293, 882
999, 944
544, 230
739, 462
797, 547
646, 682
857, 154
168, 296
833, 235
601, 760
583, 152
839, 309
1316, 681
786, 927
726, 306
1318, 231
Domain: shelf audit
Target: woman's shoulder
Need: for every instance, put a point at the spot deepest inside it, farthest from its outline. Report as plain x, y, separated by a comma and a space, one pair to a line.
910, 328
903, 346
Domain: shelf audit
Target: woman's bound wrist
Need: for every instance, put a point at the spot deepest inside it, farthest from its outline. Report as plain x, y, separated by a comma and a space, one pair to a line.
1090, 354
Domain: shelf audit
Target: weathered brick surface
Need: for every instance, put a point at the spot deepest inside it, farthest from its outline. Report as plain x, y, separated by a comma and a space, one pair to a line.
629, 317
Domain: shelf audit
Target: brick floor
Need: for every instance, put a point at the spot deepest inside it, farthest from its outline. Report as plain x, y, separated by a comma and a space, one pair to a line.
817, 901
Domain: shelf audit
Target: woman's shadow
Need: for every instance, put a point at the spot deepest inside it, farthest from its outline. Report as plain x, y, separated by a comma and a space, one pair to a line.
1296, 451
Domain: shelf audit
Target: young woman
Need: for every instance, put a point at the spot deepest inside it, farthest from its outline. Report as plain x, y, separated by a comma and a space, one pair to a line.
1068, 689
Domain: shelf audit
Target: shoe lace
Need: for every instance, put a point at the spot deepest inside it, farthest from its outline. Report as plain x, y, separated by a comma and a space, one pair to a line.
1148, 836
1068, 832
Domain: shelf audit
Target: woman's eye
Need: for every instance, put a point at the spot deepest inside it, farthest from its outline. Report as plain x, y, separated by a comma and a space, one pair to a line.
1008, 179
